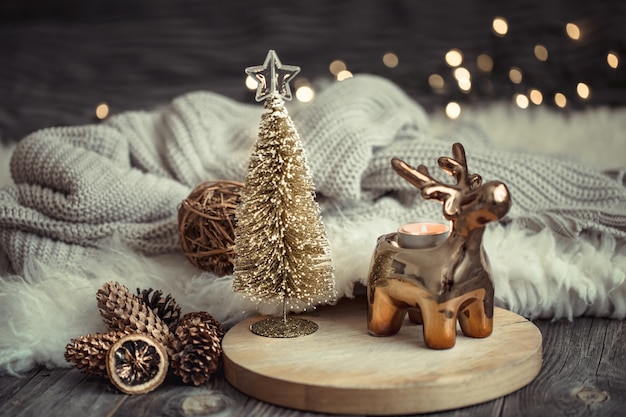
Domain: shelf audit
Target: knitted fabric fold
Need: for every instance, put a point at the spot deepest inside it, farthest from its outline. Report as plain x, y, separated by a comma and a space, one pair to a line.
76, 188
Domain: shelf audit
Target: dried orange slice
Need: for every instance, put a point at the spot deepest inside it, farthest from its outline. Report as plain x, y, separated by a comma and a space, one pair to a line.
137, 364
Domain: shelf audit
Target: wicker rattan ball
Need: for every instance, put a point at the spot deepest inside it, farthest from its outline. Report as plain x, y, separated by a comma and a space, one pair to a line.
206, 223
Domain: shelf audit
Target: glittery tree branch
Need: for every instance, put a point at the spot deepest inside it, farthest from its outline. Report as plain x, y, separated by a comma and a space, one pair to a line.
282, 248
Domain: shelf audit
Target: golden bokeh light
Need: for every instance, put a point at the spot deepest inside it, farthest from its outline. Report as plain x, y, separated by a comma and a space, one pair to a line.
454, 57
484, 62
515, 74
102, 111
583, 91
535, 96
521, 100
541, 53
500, 26
461, 73
612, 59
305, 94
390, 60
453, 110
337, 66
344, 75
436, 81
465, 85
573, 31
251, 83
560, 100
463, 78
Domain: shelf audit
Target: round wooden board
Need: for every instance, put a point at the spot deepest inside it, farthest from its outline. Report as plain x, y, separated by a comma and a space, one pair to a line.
342, 369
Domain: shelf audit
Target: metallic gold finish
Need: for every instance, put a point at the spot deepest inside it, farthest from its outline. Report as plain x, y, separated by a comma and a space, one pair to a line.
448, 282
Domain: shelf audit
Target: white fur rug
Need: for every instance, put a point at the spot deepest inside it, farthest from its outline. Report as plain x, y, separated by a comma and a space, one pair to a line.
534, 275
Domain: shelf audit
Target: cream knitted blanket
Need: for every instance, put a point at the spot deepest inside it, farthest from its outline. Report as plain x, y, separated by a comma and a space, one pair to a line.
81, 192
78, 186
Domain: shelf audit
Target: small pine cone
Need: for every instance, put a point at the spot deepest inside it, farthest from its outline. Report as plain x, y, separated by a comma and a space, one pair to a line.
196, 352
203, 316
89, 353
122, 310
164, 307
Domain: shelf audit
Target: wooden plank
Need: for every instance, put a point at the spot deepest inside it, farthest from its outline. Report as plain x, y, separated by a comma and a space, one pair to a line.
582, 375
9, 386
215, 398
61, 392
261, 409
32, 391
69, 393
583, 372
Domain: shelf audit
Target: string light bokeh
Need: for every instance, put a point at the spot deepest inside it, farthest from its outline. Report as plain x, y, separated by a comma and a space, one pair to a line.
102, 111
61, 64
463, 77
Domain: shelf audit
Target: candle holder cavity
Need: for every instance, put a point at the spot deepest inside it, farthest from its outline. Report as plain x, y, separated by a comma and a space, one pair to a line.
449, 280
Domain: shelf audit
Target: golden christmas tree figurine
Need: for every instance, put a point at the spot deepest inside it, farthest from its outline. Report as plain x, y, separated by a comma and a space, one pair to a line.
280, 240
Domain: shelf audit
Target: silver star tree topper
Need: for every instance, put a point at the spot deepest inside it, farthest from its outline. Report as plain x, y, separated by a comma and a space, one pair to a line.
273, 77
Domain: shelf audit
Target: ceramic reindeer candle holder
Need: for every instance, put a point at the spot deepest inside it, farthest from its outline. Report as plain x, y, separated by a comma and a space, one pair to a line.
448, 280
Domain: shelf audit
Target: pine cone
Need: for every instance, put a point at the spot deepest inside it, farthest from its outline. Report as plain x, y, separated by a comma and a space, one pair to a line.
164, 307
89, 353
197, 352
203, 316
124, 311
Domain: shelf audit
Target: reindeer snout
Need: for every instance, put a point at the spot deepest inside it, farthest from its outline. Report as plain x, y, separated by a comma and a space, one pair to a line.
500, 193
501, 200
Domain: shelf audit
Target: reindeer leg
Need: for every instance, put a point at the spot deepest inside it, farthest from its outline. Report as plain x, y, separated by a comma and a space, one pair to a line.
440, 324
384, 318
475, 319
470, 310
415, 316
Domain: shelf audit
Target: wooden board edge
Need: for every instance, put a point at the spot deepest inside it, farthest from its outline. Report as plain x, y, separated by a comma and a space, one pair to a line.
406, 400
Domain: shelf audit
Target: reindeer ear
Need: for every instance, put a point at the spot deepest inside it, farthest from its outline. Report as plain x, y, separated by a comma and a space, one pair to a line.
475, 181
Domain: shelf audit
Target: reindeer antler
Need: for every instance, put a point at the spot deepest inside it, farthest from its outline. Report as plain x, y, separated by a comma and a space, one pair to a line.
433, 189
457, 167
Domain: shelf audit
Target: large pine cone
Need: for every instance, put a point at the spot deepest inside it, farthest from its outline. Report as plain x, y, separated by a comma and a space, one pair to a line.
196, 351
124, 311
88, 353
164, 307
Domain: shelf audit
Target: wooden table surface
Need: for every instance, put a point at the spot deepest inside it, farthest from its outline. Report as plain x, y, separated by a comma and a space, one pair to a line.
583, 374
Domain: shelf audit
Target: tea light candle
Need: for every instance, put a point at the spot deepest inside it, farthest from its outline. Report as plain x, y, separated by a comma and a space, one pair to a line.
422, 235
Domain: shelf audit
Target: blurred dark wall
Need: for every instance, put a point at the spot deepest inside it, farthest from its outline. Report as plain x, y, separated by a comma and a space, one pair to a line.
59, 59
